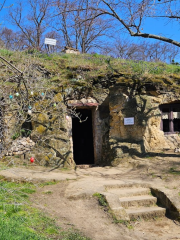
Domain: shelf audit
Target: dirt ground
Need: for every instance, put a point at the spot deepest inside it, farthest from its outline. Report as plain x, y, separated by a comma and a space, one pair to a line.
71, 203
90, 218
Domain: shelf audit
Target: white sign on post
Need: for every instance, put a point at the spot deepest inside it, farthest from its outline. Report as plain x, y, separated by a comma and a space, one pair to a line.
129, 121
50, 41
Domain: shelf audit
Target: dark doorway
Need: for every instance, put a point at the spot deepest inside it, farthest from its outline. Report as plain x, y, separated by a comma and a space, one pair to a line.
82, 133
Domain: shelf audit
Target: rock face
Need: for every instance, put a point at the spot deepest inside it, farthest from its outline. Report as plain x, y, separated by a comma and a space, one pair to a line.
114, 141
50, 132
145, 134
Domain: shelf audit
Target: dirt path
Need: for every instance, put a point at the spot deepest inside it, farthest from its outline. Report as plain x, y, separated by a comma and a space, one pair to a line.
83, 214
86, 215
71, 203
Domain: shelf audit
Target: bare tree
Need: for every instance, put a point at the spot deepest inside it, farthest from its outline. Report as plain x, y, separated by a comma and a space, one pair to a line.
89, 29
63, 21
2, 3
80, 28
158, 51
131, 14
31, 25
12, 40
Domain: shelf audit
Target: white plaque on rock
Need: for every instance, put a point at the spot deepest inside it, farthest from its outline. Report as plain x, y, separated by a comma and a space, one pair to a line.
129, 121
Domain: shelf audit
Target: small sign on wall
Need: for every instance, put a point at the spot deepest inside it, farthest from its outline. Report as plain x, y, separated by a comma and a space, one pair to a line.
129, 121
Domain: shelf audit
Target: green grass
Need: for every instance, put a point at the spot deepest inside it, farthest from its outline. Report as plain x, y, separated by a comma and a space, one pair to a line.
48, 183
20, 221
10, 229
48, 192
26, 223
101, 199
93, 68
6, 53
174, 171
12, 192
28, 190
97, 63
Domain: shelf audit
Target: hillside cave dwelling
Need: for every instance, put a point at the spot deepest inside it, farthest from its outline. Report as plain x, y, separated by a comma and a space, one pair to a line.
92, 126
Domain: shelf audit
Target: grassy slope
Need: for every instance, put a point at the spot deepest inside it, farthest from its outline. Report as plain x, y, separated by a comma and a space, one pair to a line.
83, 70
19, 221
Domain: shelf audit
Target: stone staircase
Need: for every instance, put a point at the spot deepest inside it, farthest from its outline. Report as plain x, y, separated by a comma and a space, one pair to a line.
132, 201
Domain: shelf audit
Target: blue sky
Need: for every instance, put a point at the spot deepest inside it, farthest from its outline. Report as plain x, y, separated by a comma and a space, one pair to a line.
162, 27
3, 13
155, 26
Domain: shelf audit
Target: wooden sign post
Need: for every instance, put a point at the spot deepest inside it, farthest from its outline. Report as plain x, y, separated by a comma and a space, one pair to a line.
50, 42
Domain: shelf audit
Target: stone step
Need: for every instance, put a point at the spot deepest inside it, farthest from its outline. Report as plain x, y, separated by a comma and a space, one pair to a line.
126, 185
145, 212
137, 201
129, 192
115, 206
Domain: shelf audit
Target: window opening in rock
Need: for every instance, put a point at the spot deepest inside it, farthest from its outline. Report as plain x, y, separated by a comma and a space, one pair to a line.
176, 118
82, 134
170, 122
165, 119
26, 127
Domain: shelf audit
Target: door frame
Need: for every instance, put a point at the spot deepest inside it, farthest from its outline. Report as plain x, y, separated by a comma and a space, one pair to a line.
96, 127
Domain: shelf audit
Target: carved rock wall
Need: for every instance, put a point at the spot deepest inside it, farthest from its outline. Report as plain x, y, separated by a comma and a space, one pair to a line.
145, 135
113, 141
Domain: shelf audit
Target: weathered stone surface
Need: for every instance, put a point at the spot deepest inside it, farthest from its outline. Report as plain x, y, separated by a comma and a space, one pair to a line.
113, 140
20, 146
145, 133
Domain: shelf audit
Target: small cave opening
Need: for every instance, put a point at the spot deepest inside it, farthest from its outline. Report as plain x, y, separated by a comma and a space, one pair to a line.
26, 127
82, 134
